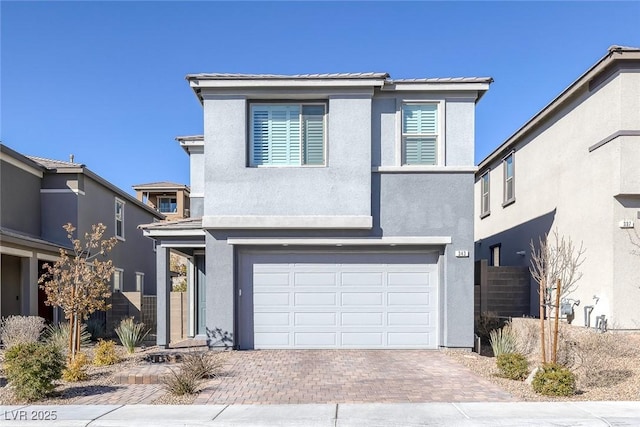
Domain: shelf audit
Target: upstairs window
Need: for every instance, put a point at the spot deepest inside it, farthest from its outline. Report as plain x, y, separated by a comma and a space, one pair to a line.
509, 180
167, 205
119, 217
484, 195
420, 134
287, 135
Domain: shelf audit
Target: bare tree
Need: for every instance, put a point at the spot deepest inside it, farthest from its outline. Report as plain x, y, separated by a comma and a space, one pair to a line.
555, 266
79, 282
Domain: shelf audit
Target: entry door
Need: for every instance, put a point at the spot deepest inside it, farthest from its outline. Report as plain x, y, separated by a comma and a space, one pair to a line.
339, 300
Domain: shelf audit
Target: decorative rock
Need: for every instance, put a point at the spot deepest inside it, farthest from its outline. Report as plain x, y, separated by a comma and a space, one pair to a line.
529, 379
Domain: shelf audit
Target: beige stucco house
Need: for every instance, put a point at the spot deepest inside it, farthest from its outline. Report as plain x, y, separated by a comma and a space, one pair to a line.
574, 166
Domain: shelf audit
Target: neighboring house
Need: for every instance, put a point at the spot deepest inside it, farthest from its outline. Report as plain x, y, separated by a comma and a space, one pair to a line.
168, 198
332, 211
37, 197
574, 167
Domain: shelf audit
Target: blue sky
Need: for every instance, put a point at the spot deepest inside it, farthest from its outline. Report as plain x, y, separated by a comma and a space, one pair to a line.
105, 80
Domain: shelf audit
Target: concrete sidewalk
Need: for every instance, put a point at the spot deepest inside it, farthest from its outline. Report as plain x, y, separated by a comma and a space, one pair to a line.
329, 415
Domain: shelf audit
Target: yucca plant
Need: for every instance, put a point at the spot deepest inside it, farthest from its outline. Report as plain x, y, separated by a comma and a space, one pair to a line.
58, 335
503, 341
131, 333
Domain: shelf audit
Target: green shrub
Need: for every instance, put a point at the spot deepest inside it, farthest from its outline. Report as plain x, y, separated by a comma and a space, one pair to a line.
513, 366
131, 333
203, 364
554, 380
31, 369
58, 335
105, 353
181, 382
503, 341
76, 369
20, 329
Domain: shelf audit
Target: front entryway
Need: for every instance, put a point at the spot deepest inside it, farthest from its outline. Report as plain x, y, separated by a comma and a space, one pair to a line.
338, 300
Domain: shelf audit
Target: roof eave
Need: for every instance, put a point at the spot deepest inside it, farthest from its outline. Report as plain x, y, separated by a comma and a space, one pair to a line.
613, 54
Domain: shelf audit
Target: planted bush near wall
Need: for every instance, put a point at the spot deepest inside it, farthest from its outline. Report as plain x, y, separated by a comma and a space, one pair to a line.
31, 369
20, 329
105, 353
513, 366
131, 333
503, 341
554, 380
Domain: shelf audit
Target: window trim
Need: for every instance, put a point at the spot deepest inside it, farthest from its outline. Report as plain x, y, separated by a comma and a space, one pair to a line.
120, 286
325, 145
170, 198
485, 210
140, 274
115, 214
440, 134
506, 202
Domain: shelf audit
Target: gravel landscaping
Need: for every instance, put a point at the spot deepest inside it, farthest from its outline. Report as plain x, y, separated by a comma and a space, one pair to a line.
606, 364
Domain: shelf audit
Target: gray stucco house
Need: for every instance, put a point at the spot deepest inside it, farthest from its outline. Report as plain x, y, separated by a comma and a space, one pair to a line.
574, 167
37, 197
328, 211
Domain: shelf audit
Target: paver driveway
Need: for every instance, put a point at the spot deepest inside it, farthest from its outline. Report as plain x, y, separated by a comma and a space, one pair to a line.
346, 376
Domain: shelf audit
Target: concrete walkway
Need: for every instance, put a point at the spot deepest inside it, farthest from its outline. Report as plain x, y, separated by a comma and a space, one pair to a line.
330, 415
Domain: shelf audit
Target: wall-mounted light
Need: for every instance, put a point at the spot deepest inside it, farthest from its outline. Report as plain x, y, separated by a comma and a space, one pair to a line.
521, 253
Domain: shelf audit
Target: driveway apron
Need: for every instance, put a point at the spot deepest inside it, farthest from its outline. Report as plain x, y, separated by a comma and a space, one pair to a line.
346, 376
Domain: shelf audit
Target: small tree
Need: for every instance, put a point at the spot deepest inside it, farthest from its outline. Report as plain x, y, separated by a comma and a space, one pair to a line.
554, 265
79, 282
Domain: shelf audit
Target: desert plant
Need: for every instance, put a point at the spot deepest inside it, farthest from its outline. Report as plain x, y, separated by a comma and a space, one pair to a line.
487, 322
503, 340
96, 327
513, 366
31, 369
76, 369
105, 353
79, 282
20, 329
181, 382
58, 335
554, 380
131, 333
203, 364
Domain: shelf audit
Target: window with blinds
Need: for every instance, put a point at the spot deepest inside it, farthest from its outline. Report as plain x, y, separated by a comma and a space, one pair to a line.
287, 135
420, 134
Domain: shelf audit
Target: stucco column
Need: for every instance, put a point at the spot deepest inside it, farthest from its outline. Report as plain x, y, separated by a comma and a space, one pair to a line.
29, 294
220, 293
163, 280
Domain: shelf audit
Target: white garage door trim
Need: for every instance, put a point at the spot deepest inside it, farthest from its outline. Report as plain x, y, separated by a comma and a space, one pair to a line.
339, 300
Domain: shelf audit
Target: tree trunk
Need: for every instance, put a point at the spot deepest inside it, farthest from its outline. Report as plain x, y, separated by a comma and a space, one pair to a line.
543, 350
555, 326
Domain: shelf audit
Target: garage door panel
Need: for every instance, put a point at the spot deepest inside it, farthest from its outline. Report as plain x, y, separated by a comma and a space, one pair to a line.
272, 318
408, 298
362, 339
362, 279
315, 298
409, 338
351, 299
314, 279
315, 319
409, 319
322, 301
362, 319
418, 278
271, 298
316, 339
270, 279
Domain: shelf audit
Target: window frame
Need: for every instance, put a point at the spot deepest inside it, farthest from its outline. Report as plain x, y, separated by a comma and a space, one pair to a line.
439, 135
485, 208
250, 159
170, 198
493, 250
139, 275
121, 219
506, 201
120, 284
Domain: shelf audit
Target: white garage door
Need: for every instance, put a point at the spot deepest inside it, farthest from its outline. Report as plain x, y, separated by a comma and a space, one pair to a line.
347, 300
